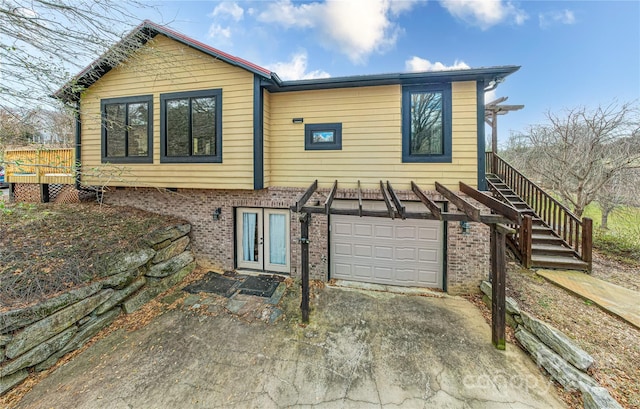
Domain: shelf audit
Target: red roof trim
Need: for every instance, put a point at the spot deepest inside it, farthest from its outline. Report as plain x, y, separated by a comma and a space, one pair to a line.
191, 41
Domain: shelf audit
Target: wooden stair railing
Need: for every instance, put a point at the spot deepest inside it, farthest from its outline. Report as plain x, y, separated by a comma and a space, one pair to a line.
576, 233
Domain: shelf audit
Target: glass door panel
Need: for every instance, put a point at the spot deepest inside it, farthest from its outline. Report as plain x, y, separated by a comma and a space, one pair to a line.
277, 240
249, 234
263, 241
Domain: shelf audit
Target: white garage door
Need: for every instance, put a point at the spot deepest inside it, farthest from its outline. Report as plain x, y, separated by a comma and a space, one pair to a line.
384, 251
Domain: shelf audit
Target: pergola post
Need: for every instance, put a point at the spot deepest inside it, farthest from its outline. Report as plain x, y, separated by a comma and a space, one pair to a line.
498, 282
305, 218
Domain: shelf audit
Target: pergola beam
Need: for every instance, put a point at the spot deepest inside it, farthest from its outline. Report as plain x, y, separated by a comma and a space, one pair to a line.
387, 201
359, 199
332, 195
493, 204
431, 205
396, 201
445, 216
304, 198
469, 209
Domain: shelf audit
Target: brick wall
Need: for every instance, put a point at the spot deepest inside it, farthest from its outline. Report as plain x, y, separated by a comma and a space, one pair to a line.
468, 257
213, 240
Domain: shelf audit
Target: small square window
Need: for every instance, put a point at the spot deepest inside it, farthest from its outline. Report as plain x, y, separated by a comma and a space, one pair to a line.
323, 137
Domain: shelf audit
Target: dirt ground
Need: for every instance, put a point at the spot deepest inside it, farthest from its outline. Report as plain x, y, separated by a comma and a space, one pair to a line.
613, 343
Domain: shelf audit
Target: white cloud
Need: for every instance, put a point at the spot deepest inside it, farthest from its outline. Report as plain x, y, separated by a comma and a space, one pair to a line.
228, 9
484, 13
556, 17
216, 31
490, 96
296, 68
417, 64
356, 28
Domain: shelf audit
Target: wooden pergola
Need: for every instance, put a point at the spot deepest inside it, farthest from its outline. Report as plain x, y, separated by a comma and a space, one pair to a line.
499, 220
491, 111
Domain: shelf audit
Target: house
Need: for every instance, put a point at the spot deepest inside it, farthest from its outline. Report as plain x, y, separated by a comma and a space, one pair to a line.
181, 128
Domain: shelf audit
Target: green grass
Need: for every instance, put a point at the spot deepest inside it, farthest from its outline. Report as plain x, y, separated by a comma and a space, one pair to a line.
622, 239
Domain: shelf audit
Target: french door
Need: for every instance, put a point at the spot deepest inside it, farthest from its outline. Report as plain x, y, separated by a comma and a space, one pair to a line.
263, 239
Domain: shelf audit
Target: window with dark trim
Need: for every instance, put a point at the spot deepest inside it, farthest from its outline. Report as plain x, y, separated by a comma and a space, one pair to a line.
127, 129
191, 126
426, 123
323, 136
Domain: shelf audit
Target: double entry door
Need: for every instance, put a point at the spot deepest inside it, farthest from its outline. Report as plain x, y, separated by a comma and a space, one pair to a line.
263, 239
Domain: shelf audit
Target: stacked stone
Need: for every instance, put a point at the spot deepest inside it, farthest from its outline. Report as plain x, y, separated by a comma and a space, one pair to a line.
36, 337
551, 349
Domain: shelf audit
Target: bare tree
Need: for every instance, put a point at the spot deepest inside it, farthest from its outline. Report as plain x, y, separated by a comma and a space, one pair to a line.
17, 127
42, 42
621, 190
22, 127
576, 154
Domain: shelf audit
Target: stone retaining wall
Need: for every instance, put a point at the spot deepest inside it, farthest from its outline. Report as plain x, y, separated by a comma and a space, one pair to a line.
35, 337
556, 353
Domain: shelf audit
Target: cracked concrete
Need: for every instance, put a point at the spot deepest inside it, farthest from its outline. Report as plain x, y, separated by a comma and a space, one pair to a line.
362, 349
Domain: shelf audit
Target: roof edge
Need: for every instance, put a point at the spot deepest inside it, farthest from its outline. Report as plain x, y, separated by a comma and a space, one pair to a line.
488, 74
148, 30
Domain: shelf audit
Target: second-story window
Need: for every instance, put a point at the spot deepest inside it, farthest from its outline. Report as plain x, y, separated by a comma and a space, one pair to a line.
127, 129
191, 126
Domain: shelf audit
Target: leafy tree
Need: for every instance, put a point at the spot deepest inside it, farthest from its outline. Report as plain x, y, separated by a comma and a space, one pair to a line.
580, 152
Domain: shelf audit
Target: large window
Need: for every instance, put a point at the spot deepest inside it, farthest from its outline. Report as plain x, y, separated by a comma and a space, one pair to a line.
426, 124
127, 129
191, 126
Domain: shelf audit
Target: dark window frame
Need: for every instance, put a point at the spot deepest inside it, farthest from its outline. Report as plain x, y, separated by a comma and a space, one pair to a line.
217, 157
336, 145
445, 156
103, 114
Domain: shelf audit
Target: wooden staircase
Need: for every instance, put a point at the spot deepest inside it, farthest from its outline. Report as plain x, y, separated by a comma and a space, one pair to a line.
548, 250
550, 236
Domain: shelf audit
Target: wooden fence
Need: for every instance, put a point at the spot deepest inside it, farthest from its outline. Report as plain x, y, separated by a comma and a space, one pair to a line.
42, 166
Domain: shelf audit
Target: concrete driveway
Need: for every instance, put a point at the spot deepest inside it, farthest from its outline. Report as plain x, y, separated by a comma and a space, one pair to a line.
362, 349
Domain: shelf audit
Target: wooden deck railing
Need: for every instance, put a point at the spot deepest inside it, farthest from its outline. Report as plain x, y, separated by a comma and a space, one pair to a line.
44, 166
576, 233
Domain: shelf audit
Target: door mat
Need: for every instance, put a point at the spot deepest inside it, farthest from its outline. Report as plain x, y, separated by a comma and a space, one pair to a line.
262, 286
213, 283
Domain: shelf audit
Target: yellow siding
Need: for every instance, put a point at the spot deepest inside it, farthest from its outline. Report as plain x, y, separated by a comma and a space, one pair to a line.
168, 66
267, 138
371, 139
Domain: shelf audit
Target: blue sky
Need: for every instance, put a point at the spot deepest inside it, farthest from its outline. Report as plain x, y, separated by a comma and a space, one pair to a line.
571, 52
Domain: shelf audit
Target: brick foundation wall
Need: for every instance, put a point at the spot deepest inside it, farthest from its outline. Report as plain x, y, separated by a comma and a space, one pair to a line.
468, 256
214, 240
